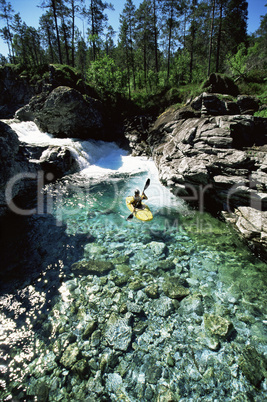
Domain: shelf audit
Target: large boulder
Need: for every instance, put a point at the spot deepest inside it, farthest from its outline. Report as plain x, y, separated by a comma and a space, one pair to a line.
65, 112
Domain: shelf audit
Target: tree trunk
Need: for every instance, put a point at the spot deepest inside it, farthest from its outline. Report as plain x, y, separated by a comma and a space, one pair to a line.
211, 36
219, 40
57, 32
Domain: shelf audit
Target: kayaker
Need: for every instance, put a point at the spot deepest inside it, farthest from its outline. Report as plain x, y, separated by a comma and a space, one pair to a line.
137, 200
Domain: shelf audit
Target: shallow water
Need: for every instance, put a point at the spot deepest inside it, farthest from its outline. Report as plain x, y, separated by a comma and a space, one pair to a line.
145, 344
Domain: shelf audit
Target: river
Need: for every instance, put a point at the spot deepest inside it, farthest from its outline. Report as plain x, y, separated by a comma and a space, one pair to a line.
108, 309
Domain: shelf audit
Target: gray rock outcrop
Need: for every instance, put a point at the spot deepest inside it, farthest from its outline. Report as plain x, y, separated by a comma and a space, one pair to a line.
215, 160
65, 112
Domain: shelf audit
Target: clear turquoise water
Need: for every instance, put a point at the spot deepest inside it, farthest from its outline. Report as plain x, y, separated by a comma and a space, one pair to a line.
88, 222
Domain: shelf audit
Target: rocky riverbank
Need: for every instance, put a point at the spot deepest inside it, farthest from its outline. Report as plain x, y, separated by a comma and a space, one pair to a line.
216, 160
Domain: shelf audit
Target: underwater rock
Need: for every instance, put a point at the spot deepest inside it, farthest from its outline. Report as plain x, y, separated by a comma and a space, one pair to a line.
253, 365
94, 251
216, 329
81, 368
174, 288
165, 265
152, 291
217, 326
192, 305
118, 332
157, 248
89, 329
93, 267
70, 355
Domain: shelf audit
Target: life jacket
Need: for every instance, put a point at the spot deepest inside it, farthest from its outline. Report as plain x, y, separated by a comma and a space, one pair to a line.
137, 201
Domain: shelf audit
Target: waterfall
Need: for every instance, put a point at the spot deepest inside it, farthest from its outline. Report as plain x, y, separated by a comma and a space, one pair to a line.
95, 158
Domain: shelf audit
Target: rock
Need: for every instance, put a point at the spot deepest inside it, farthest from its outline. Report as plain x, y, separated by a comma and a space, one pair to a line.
152, 291
248, 104
118, 331
217, 83
17, 174
65, 112
70, 355
217, 326
89, 329
175, 288
92, 267
58, 161
252, 225
157, 248
15, 91
253, 365
205, 159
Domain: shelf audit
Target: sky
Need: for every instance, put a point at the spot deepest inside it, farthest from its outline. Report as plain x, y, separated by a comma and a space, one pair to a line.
30, 13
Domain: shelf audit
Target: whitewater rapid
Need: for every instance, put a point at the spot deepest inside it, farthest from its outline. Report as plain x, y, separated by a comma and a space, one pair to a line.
100, 160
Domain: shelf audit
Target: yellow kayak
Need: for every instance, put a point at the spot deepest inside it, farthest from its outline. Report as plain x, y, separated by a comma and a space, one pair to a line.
143, 214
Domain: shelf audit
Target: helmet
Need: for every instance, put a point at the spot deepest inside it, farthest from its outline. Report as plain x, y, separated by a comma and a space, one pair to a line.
136, 191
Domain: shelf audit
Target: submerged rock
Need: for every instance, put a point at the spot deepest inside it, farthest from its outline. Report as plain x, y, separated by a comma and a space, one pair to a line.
175, 288
253, 365
69, 356
92, 267
118, 331
216, 325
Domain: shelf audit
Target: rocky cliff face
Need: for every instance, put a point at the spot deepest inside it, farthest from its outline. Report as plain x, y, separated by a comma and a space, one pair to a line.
217, 162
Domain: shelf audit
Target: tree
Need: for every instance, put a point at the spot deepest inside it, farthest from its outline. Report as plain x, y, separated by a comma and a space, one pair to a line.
97, 19
46, 23
75, 8
211, 34
7, 13
235, 24
53, 6
172, 12
144, 35
126, 37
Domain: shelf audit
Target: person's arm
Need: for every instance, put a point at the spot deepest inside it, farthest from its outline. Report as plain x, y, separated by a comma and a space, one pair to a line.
144, 197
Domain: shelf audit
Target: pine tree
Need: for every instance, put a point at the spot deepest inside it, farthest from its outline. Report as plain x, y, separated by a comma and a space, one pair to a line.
97, 19
7, 14
126, 37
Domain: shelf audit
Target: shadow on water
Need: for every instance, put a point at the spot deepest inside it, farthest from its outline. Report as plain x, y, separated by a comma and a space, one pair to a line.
36, 257
34, 244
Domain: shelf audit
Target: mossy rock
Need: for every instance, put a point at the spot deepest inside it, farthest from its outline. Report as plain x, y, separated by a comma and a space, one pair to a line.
175, 288
92, 267
253, 365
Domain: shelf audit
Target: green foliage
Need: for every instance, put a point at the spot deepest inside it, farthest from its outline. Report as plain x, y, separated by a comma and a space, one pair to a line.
105, 75
261, 113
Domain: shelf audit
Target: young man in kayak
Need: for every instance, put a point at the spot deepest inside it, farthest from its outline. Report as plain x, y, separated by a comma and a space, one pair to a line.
137, 200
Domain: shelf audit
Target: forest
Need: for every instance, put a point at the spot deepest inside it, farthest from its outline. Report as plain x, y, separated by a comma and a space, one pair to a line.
163, 45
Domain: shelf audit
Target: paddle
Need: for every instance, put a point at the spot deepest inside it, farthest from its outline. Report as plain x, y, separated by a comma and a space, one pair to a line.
146, 186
